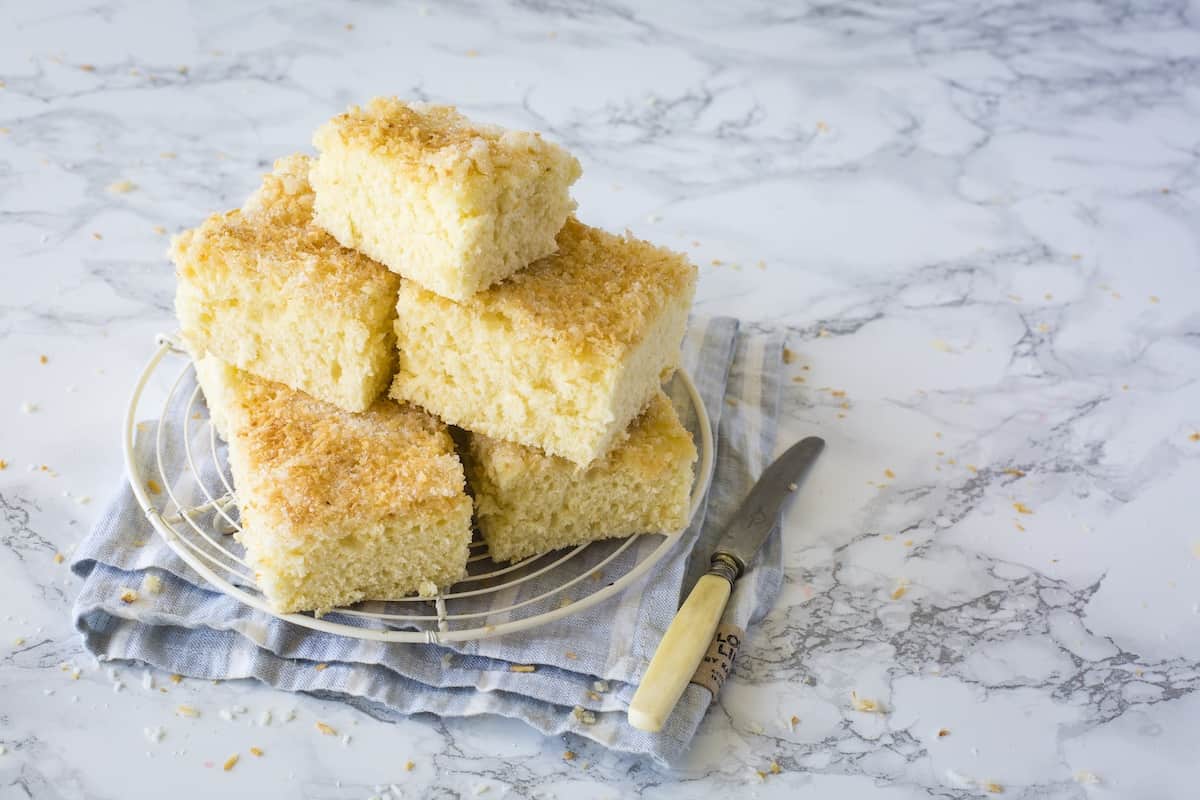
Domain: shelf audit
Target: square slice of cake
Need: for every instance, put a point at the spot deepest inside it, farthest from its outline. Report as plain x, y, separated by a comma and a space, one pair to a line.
561, 356
338, 507
450, 204
527, 502
266, 290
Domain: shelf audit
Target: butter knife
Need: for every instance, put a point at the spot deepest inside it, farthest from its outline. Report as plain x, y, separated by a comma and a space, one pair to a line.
691, 634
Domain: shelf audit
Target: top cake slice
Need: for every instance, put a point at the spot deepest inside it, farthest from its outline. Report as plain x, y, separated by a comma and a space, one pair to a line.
450, 204
266, 290
562, 356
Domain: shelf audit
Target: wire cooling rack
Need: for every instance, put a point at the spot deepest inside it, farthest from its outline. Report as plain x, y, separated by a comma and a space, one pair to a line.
196, 513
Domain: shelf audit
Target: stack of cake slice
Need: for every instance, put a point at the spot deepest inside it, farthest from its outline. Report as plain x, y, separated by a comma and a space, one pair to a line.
438, 256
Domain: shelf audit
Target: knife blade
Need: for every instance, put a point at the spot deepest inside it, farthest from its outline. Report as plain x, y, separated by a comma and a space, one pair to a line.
759, 512
688, 637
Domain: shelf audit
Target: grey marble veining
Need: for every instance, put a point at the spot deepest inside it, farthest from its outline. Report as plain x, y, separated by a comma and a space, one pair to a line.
979, 220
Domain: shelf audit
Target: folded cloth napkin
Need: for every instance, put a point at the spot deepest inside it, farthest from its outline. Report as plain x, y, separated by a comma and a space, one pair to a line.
591, 660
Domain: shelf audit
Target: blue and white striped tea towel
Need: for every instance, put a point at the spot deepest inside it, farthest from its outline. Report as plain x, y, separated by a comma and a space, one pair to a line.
190, 629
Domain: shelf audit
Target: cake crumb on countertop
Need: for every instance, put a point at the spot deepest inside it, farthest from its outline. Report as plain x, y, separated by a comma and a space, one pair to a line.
864, 704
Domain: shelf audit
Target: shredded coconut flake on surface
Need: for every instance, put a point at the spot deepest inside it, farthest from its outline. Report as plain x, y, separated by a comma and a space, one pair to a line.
864, 704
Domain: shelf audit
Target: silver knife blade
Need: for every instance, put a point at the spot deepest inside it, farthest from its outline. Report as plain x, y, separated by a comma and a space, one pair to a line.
759, 512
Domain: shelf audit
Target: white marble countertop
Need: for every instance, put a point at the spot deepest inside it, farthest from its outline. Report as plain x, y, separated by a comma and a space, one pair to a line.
980, 223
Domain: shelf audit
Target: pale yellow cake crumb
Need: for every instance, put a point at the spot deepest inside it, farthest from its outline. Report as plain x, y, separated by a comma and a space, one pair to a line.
453, 205
562, 356
339, 507
528, 502
864, 704
266, 290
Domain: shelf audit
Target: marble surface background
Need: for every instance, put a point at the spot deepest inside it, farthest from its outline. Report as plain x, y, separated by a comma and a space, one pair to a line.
979, 221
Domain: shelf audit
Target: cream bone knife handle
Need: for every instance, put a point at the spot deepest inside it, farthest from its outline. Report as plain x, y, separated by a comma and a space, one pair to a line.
684, 644
690, 634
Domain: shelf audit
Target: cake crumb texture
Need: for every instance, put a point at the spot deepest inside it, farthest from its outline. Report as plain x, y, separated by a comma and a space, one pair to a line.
562, 356
338, 507
265, 289
528, 502
454, 205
